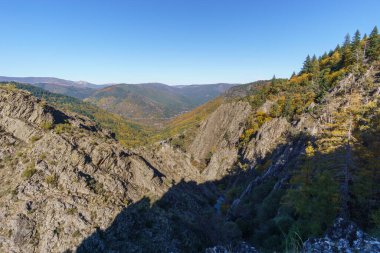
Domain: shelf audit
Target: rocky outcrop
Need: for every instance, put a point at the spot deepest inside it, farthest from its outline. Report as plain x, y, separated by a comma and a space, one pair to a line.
62, 177
269, 136
172, 161
67, 185
217, 138
343, 236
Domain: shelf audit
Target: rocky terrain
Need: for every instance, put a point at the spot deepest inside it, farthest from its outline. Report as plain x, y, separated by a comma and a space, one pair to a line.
62, 177
247, 178
67, 185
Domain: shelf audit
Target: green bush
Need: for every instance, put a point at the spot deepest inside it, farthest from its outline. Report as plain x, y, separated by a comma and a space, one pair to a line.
47, 125
61, 128
208, 157
29, 171
77, 234
35, 138
72, 211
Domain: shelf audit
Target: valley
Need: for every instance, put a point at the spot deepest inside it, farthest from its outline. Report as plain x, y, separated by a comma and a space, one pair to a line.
281, 165
147, 104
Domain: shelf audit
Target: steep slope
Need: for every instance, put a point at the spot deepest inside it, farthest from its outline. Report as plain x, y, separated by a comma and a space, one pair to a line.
308, 143
63, 177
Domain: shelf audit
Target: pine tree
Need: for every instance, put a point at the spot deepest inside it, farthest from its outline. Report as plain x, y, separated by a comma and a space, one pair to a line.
306, 65
356, 40
356, 48
373, 50
346, 51
314, 65
347, 41
314, 69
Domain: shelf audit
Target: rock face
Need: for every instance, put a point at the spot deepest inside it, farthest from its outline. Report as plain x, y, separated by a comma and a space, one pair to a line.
62, 177
344, 236
270, 135
217, 138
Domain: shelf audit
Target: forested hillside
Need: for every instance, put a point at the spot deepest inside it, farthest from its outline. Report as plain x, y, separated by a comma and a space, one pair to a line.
331, 106
338, 172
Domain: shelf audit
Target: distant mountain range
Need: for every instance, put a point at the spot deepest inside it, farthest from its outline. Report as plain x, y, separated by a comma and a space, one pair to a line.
154, 102
51, 81
77, 89
147, 103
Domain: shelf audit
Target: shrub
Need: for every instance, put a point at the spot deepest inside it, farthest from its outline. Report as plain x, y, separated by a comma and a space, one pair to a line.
29, 171
179, 142
77, 234
72, 211
208, 157
47, 125
42, 156
35, 138
60, 128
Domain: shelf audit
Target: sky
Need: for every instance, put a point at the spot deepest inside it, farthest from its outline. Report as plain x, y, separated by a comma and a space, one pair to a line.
173, 41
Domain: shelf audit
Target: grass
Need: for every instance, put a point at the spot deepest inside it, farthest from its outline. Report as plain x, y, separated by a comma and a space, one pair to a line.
46, 125
61, 128
35, 138
29, 171
72, 211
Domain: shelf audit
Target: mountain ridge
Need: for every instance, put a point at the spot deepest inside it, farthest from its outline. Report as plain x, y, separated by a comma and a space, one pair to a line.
144, 103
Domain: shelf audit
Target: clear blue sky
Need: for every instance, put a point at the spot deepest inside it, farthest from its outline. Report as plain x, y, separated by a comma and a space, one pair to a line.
173, 41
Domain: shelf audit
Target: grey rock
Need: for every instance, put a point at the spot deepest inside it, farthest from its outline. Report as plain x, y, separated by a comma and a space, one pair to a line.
240, 248
343, 236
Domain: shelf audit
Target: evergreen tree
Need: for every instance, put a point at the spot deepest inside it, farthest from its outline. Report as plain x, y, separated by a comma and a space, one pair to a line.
346, 51
314, 69
373, 50
356, 40
314, 64
347, 40
337, 49
356, 48
306, 65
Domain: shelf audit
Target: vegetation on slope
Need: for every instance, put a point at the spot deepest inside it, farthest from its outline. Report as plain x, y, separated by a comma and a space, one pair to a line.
338, 174
182, 129
128, 133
